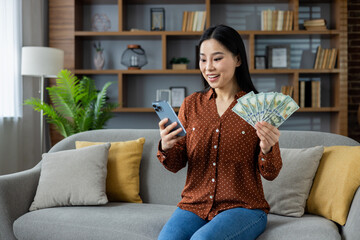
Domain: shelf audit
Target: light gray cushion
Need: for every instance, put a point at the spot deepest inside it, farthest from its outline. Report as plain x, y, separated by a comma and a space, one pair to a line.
132, 221
287, 194
73, 177
308, 227
115, 220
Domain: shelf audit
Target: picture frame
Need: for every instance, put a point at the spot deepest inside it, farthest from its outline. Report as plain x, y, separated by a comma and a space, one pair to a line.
177, 96
278, 56
260, 62
157, 19
163, 95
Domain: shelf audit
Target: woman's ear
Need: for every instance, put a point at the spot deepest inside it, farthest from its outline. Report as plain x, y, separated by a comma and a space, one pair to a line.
238, 61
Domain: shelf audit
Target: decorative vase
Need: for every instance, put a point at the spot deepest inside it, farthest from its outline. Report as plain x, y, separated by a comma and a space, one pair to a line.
99, 60
134, 57
100, 23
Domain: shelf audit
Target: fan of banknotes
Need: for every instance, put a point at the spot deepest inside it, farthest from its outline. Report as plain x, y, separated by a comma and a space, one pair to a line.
271, 107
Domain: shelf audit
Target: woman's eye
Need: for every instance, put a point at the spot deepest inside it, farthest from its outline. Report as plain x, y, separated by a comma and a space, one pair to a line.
202, 60
217, 59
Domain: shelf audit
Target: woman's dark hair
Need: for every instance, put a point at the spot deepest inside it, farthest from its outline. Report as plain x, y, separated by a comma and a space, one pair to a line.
232, 41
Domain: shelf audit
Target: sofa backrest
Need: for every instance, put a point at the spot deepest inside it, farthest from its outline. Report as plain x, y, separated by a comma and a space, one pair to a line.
158, 185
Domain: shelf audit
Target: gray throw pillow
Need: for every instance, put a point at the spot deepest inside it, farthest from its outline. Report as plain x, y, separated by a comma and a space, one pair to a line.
73, 177
287, 194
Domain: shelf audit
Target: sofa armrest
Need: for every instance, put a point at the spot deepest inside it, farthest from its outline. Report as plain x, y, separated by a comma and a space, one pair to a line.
350, 231
17, 192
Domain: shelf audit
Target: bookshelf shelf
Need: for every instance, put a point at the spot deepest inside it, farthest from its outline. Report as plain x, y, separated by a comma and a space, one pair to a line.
291, 32
197, 33
139, 72
137, 33
293, 71
322, 109
70, 30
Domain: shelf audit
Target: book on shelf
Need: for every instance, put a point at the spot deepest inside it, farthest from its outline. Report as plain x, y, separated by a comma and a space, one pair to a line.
287, 90
280, 21
325, 58
193, 21
277, 20
315, 94
316, 28
315, 25
310, 94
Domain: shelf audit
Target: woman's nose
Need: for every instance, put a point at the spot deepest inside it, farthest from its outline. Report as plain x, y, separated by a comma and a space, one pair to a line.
209, 65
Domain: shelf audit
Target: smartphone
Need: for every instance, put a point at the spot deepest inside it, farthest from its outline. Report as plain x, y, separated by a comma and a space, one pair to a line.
164, 110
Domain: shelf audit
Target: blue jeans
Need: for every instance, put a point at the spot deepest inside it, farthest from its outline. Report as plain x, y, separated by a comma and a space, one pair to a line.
235, 223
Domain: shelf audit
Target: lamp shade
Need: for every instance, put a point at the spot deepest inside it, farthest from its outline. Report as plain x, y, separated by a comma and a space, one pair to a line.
41, 61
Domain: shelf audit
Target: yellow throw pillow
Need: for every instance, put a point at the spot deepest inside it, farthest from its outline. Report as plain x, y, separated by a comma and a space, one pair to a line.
122, 182
335, 183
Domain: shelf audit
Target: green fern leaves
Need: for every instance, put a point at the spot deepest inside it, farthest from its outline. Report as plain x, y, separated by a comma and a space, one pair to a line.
77, 105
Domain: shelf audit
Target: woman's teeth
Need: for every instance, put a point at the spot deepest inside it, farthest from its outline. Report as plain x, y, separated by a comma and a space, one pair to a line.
212, 76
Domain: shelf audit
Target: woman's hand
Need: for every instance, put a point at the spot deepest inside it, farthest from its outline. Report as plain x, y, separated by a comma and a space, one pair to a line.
168, 138
268, 134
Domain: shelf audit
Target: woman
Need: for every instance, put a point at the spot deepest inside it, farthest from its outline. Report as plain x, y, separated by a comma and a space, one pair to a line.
223, 196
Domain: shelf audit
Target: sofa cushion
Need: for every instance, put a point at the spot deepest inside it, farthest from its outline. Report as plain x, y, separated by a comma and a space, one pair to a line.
122, 182
120, 221
308, 227
131, 221
335, 183
72, 177
287, 194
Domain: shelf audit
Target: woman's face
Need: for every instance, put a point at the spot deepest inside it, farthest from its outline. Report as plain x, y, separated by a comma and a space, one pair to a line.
217, 64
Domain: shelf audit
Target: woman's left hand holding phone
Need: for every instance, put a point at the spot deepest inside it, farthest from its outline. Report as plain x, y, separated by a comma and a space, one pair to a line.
168, 137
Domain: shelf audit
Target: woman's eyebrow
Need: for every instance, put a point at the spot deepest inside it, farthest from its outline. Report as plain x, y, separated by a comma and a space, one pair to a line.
215, 53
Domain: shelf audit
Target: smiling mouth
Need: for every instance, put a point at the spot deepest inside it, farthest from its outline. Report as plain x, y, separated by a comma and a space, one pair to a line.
212, 77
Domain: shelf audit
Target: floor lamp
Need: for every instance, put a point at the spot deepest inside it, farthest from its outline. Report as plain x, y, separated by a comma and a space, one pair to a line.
43, 62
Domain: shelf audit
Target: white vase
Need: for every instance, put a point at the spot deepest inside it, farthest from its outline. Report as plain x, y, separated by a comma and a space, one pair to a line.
99, 60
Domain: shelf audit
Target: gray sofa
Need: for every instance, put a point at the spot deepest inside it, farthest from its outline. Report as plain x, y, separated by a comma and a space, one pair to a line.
160, 191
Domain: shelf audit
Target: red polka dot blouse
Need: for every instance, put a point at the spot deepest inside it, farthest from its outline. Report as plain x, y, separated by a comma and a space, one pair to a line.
223, 156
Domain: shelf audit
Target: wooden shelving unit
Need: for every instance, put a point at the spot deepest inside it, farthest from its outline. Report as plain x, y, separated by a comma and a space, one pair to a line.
66, 31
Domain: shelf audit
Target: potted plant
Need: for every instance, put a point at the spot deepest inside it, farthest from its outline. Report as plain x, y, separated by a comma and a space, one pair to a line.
77, 105
179, 63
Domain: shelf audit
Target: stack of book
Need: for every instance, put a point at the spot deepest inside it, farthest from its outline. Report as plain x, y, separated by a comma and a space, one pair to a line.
193, 21
310, 94
277, 20
287, 90
315, 25
325, 58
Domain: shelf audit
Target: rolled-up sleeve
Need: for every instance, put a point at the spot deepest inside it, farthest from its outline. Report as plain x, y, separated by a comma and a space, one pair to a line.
270, 164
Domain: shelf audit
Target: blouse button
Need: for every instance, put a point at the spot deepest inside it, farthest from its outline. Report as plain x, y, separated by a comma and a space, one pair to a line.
214, 164
215, 146
243, 132
262, 159
193, 129
213, 180
211, 196
217, 130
